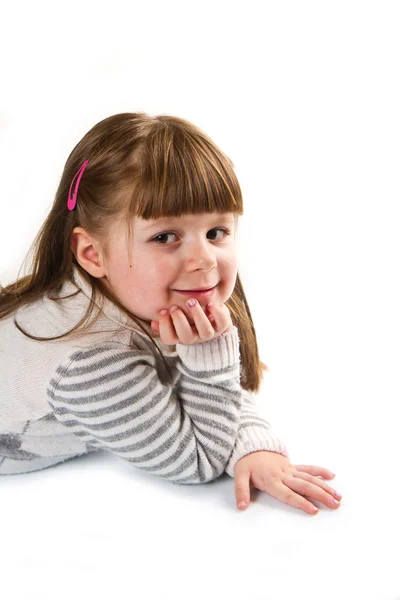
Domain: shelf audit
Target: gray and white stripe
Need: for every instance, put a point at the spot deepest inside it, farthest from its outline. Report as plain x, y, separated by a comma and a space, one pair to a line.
111, 397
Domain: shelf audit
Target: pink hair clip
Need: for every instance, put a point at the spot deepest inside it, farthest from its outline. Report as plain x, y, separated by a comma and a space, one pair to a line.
72, 199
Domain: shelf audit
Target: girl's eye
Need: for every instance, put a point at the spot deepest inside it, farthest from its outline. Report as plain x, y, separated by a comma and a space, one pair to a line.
163, 235
225, 231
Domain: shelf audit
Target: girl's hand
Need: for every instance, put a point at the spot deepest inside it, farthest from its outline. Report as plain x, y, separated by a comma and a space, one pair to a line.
272, 473
174, 326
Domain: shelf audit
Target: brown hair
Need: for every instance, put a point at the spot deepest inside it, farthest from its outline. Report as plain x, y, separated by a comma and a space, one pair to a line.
149, 166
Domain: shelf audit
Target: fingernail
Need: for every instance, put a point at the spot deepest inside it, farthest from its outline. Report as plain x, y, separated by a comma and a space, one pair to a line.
191, 302
163, 312
171, 310
242, 504
210, 304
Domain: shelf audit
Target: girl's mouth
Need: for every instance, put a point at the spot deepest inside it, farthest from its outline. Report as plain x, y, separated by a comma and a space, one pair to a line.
198, 293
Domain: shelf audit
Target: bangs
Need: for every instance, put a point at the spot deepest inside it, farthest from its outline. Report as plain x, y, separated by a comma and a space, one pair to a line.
183, 172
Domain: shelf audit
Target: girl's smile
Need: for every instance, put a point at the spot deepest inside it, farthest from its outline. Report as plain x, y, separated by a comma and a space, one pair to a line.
189, 256
207, 293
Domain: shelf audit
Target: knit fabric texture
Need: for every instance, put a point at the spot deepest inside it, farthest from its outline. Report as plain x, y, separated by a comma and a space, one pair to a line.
103, 389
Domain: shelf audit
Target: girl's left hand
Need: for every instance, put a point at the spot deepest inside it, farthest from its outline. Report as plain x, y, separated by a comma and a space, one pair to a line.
273, 473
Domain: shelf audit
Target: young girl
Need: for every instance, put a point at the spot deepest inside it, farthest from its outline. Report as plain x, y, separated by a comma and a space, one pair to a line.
132, 333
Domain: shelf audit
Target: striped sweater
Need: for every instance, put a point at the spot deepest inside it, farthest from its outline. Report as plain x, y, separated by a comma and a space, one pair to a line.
104, 389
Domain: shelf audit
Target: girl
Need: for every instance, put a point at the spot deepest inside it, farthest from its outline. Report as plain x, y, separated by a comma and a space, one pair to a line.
133, 333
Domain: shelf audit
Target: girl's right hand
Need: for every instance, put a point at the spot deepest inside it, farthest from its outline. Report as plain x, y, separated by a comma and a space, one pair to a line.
174, 327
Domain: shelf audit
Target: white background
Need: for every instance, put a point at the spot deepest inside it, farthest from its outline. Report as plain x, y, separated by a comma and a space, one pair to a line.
304, 97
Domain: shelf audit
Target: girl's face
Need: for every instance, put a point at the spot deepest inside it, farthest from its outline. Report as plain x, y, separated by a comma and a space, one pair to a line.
170, 254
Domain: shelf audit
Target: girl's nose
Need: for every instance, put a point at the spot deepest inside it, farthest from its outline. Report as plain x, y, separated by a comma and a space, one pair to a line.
200, 256
204, 262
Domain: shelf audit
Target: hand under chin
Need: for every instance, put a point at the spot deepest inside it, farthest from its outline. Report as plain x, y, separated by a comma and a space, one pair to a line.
188, 312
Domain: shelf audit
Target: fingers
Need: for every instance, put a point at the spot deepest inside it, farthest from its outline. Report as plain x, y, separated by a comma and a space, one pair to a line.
203, 325
212, 323
281, 492
174, 326
286, 488
317, 482
272, 485
242, 489
155, 327
307, 488
185, 333
167, 329
314, 470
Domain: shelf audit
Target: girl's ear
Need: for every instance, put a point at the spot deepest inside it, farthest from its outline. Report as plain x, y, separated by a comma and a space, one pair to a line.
87, 252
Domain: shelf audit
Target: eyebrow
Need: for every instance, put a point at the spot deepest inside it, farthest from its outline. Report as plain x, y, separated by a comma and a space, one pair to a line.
158, 223
169, 221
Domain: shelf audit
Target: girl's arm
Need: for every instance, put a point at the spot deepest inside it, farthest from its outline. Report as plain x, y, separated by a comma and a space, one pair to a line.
254, 434
111, 397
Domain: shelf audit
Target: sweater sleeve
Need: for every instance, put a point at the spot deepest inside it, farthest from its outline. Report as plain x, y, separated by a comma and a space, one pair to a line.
254, 434
111, 397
